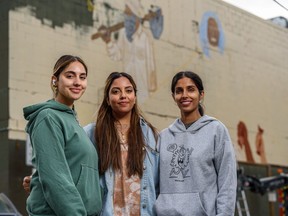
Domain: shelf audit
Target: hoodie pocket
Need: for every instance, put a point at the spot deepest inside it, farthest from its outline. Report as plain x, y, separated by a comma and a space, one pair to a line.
89, 189
184, 204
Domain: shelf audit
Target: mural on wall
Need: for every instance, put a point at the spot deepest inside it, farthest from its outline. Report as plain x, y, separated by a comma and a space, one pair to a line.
260, 145
243, 142
133, 43
211, 33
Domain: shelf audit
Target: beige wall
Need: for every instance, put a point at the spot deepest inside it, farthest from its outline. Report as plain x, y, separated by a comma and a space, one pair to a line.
247, 82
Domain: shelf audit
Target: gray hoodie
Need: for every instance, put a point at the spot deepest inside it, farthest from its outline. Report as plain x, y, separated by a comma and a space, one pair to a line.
197, 170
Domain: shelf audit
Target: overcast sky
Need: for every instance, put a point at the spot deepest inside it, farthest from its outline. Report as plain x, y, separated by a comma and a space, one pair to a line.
265, 9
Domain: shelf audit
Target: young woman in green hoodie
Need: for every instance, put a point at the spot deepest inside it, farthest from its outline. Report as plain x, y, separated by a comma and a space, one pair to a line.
66, 180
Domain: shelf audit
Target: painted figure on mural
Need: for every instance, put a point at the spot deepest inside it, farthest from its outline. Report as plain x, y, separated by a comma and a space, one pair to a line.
134, 45
211, 33
260, 145
243, 141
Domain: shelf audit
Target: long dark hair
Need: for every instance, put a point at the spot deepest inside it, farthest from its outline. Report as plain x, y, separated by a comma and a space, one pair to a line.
197, 80
107, 139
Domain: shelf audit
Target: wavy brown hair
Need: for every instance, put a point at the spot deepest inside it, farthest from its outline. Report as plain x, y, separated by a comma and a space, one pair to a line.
107, 140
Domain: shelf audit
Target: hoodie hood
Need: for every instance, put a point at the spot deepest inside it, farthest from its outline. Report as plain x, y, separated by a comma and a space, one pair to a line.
178, 126
31, 112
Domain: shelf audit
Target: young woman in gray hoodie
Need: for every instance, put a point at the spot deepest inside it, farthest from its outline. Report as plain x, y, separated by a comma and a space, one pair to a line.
197, 161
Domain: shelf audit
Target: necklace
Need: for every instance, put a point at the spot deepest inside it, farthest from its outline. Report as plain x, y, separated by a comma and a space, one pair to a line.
123, 137
122, 130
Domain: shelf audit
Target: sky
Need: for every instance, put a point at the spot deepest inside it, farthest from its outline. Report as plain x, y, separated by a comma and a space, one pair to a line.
265, 9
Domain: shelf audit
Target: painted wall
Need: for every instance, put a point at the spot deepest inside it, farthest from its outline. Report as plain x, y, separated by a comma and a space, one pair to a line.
244, 73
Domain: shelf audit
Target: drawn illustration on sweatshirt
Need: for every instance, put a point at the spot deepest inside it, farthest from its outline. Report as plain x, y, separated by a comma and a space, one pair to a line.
179, 161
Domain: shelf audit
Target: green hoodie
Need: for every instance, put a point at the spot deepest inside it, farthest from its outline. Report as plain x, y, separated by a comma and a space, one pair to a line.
66, 181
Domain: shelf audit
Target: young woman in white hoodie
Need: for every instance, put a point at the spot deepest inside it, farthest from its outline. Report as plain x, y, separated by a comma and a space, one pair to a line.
197, 161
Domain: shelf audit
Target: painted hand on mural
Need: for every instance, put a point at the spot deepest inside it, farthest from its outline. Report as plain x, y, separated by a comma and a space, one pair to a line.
105, 33
243, 142
260, 150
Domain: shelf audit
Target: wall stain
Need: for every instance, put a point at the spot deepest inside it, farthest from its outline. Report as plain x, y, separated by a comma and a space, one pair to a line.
58, 12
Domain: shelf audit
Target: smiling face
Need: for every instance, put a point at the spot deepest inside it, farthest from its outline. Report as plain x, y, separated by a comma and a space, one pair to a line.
213, 33
122, 97
71, 83
187, 96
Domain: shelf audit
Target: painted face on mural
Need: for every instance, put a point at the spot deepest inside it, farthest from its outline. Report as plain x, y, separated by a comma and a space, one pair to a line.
213, 32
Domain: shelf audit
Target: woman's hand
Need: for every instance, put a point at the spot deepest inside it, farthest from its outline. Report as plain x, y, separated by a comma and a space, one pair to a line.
26, 183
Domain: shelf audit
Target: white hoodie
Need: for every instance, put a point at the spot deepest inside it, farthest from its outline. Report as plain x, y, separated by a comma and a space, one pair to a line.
197, 170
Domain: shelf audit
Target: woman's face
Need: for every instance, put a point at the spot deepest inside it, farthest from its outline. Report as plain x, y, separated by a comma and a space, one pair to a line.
213, 33
122, 96
71, 83
187, 96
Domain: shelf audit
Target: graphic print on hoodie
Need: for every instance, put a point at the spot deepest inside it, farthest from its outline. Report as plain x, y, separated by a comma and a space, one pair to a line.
179, 161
